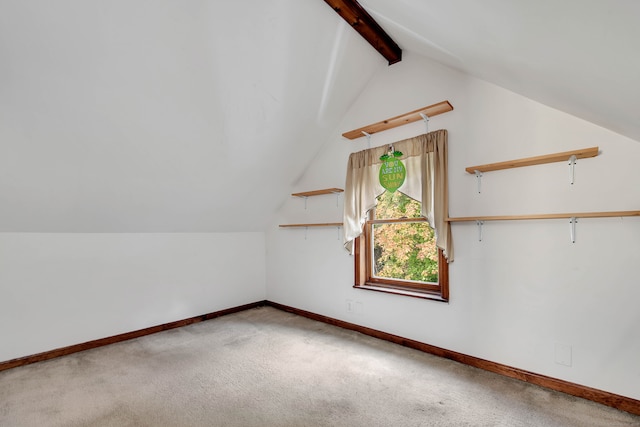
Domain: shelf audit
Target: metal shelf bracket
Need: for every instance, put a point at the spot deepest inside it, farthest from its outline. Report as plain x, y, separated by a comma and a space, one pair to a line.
572, 223
479, 179
368, 135
479, 224
572, 168
425, 118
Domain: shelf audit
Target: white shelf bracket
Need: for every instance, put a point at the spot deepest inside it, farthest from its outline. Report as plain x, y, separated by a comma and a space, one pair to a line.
572, 168
305, 202
426, 120
479, 179
339, 234
368, 135
572, 224
479, 224
337, 200
306, 229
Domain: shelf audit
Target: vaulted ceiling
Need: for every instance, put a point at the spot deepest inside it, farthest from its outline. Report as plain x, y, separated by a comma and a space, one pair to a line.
579, 56
157, 115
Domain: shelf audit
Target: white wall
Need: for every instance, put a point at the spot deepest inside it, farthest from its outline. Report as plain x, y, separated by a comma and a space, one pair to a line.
65, 289
525, 289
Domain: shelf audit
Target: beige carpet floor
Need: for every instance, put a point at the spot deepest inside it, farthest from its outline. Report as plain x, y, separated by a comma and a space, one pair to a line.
265, 367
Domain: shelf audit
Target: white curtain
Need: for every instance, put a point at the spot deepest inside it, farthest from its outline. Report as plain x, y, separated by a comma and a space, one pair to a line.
425, 159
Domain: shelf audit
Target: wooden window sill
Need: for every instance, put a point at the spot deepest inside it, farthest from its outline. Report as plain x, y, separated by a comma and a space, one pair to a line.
435, 296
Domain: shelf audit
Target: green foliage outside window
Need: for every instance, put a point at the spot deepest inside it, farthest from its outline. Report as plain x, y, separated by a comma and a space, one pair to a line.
404, 250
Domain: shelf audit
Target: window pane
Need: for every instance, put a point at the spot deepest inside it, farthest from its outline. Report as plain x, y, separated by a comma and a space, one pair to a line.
397, 205
405, 251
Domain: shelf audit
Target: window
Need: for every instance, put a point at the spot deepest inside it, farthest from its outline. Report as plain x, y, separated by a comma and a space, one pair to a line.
367, 231
397, 252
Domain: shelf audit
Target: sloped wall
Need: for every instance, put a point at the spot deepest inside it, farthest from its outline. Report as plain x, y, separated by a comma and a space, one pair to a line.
60, 289
524, 296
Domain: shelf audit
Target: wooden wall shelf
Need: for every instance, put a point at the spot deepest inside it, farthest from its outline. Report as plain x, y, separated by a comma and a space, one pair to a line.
318, 192
538, 160
326, 224
306, 194
546, 216
413, 116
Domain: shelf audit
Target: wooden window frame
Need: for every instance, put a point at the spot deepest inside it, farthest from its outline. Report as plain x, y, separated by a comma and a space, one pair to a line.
364, 278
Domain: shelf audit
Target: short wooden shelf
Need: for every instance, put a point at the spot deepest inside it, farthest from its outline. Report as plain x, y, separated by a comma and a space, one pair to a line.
546, 216
306, 194
410, 117
326, 224
318, 192
538, 160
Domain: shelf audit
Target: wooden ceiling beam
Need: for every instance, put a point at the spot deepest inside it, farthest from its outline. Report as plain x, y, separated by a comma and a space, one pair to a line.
352, 12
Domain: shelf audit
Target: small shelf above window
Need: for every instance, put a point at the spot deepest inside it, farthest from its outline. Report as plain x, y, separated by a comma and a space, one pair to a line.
403, 119
538, 160
318, 192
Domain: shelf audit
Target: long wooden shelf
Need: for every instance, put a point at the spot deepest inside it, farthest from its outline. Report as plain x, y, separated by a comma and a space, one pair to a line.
410, 117
546, 216
537, 160
326, 224
318, 192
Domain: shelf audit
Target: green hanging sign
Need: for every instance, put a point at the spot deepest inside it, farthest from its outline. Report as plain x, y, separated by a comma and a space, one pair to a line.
392, 171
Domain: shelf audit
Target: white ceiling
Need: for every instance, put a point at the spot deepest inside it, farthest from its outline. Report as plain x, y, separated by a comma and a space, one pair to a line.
579, 56
162, 115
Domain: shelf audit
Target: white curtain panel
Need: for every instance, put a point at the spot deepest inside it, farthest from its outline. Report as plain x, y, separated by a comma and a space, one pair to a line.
425, 159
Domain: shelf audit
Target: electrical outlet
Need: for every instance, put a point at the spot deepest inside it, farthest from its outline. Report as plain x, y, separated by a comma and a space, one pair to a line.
357, 307
563, 354
349, 305
353, 307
